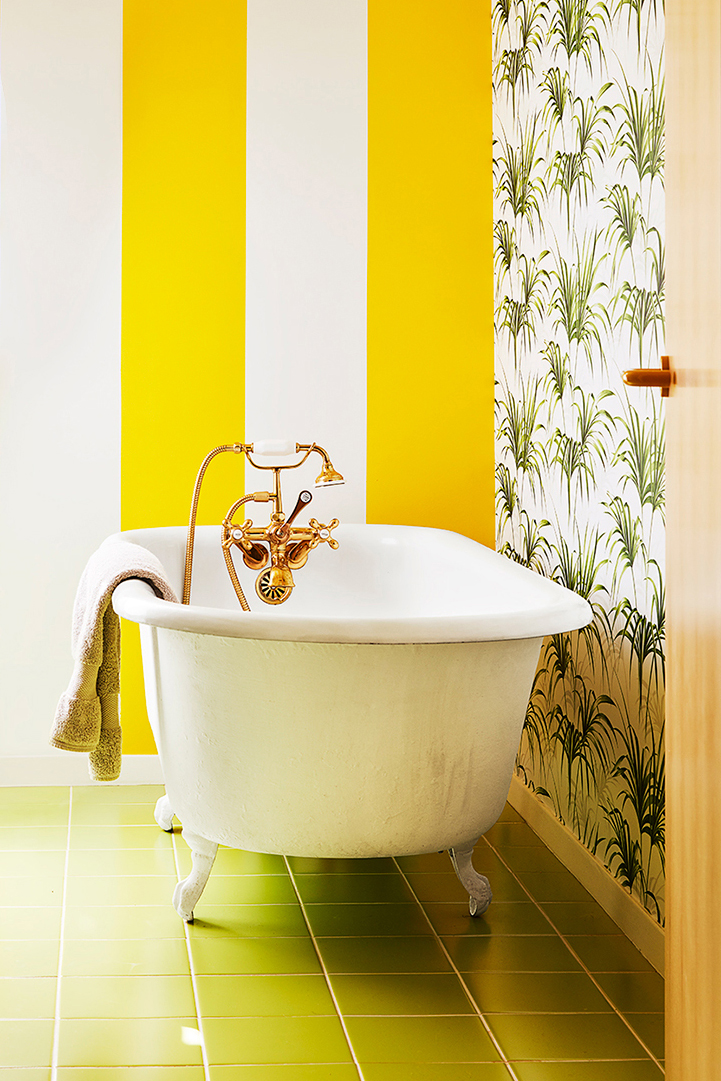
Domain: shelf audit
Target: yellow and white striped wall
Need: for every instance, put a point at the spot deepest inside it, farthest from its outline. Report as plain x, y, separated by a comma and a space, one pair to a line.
225, 221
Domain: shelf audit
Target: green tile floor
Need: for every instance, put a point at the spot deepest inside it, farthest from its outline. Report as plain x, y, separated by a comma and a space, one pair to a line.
305, 969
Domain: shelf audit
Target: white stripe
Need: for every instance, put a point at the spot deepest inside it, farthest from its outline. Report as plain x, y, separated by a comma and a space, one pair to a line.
59, 338
307, 237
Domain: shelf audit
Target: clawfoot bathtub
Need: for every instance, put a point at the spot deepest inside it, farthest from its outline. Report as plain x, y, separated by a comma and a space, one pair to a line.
377, 713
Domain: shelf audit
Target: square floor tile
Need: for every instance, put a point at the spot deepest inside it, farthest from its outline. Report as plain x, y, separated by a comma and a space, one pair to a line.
127, 996
553, 886
26, 958
33, 796
24, 864
339, 889
535, 992
27, 997
134, 921
236, 861
367, 920
403, 995
564, 1036
512, 833
154, 1041
437, 862
275, 1040
264, 996
529, 858
26, 1043
446, 887
27, 1073
249, 890
112, 814
33, 892
637, 992
609, 953
420, 1039
435, 1071
511, 953
30, 923
147, 794
132, 1073
383, 954
149, 890
310, 866
502, 918
485, 860
38, 839
125, 957
639, 1070
121, 861
650, 1027
228, 956
579, 918
113, 837
248, 921
323, 1071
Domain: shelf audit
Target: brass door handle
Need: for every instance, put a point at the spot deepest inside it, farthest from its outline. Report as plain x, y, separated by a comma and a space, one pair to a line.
651, 377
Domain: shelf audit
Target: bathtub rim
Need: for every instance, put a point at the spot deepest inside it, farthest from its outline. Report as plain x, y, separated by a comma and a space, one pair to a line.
561, 612
135, 600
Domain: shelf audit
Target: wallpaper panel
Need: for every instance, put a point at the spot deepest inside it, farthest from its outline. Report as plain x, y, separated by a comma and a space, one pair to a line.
579, 297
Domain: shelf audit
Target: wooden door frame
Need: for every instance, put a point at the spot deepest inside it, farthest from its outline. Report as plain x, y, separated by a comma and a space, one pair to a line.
693, 715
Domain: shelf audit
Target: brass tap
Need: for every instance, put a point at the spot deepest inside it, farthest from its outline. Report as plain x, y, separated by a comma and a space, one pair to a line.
279, 543
288, 547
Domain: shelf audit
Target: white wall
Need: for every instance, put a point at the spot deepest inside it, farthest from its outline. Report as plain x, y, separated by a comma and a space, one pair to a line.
306, 237
59, 339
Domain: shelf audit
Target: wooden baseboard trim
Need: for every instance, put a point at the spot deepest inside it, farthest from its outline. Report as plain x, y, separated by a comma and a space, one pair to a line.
62, 768
646, 934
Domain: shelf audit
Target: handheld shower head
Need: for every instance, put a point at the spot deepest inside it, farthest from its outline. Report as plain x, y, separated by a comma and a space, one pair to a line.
328, 475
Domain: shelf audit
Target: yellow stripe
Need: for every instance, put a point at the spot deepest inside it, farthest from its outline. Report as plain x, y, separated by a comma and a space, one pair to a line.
430, 265
183, 309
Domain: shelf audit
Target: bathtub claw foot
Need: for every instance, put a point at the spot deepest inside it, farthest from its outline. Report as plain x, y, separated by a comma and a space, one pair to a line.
187, 893
164, 814
478, 886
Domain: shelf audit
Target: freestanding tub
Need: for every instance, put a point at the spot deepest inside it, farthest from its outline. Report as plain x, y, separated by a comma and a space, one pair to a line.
377, 712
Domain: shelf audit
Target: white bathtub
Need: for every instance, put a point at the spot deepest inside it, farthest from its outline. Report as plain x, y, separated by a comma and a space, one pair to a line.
376, 713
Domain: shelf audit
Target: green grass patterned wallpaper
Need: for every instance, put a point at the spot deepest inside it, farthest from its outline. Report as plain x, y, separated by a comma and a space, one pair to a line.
579, 255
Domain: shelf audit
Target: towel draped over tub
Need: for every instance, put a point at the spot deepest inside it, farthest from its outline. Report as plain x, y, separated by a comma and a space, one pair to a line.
87, 717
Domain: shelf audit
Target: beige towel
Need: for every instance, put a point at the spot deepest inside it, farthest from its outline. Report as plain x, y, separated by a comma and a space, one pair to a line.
87, 715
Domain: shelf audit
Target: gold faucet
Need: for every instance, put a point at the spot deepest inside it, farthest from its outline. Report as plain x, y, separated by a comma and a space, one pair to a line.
285, 546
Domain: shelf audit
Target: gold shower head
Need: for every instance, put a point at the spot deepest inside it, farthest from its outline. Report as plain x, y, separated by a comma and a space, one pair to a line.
328, 475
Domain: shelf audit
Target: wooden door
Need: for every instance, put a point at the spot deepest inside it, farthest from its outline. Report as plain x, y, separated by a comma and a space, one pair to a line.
693, 937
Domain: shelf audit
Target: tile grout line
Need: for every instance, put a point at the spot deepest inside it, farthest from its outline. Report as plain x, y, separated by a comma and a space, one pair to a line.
326, 975
576, 957
61, 947
191, 966
512, 1073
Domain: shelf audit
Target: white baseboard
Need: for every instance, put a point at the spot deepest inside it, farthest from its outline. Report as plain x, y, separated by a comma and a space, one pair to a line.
66, 768
625, 910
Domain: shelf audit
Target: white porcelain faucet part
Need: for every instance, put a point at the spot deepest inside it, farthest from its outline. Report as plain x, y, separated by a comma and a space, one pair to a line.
277, 448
